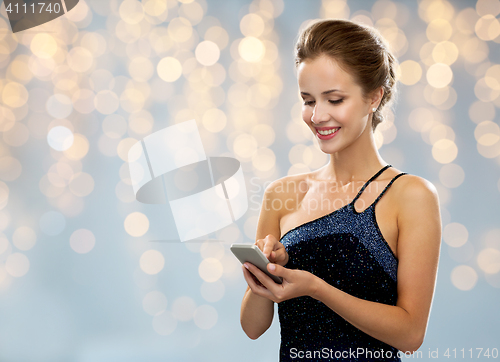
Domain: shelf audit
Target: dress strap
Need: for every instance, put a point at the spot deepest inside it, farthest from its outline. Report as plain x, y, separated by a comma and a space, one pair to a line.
370, 180
388, 185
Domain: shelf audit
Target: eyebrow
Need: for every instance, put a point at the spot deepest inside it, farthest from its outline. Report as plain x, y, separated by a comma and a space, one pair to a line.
325, 92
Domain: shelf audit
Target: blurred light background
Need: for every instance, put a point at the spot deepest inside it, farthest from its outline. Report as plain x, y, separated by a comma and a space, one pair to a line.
80, 277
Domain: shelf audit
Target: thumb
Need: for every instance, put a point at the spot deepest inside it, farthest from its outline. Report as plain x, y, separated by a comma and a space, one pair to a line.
277, 269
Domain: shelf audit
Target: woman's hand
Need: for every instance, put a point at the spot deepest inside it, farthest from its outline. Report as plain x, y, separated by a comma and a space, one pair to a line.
274, 251
296, 283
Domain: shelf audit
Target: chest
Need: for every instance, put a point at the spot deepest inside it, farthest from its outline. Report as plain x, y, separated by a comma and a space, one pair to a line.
341, 247
311, 206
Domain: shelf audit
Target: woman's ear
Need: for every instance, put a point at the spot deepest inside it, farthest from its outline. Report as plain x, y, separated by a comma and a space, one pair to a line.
376, 97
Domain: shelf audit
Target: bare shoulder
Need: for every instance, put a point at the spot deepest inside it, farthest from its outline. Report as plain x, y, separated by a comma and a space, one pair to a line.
412, 187
273, 204
287, 187
416, 198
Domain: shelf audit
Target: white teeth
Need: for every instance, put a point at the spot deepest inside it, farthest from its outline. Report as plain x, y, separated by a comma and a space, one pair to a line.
326, 133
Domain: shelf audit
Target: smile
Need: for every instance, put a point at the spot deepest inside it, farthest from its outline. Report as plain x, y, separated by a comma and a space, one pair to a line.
327, 134
329, 131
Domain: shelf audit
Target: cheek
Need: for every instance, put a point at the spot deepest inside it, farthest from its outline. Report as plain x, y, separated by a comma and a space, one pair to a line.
306, 114
344, 113
348, 112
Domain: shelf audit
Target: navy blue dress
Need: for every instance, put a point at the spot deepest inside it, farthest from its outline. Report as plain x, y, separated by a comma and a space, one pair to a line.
347, 250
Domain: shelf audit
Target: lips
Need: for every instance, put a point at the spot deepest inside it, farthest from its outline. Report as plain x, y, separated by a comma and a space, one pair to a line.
328, 134
325, 128
327, 131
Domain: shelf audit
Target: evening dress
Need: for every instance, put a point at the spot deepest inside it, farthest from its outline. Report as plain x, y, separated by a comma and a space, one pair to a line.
347, 250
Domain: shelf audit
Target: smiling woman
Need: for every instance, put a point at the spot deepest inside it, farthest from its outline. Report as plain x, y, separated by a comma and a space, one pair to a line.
358, 281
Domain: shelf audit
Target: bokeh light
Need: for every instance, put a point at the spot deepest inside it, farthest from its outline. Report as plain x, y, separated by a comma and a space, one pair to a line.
444, 151
164, 323
78, 149
487, 27
60, 138
451, 175
411, 72
4, 244
180, 29
81, 184
252, 25
152, 262
4, 194
43, 45
136, 224
131, 11
251, 49
106, 102
205, 316
82, 241
169, 69
17, 264
183, 308
14, 95
80, 59
439, 75
154, 303
489, 260
455, 234
207, 53
24, 238
464, 277
210, 270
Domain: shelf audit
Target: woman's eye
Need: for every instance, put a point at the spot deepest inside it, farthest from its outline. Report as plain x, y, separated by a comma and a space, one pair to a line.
338, 101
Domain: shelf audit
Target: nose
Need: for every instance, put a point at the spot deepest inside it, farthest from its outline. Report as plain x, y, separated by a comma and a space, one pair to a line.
319, 114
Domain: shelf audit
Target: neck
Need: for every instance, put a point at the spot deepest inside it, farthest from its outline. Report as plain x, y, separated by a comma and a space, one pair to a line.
359, 161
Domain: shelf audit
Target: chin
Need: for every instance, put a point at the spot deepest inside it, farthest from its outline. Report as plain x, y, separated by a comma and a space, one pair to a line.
329, 149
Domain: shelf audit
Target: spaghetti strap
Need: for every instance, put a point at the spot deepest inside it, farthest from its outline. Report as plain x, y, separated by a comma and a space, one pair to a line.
388, 185
370, 180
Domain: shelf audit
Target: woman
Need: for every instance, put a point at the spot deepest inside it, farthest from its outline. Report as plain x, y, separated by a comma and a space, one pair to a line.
358, 280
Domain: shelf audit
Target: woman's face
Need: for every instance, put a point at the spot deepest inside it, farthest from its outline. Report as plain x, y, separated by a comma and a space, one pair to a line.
332, 99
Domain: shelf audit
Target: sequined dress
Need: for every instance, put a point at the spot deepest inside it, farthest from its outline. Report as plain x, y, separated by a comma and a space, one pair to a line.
347, 250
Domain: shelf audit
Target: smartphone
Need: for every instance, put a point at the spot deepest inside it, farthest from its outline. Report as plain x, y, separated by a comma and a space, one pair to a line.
252, 254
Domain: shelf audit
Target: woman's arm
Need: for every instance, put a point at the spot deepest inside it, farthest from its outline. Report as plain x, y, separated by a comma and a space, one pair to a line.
402, 326
256, 311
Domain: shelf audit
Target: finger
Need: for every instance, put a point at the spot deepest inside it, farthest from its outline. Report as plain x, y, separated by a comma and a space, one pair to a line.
254, 278
277, 256
251, 281
260, 244
280, 271
272, 256
268, 248
268, 283
257, 287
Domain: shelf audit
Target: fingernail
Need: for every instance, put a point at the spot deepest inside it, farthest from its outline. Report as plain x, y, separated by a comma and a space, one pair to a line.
246, 265
272, 267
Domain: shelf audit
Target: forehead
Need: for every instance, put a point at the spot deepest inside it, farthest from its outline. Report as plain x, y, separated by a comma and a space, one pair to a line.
323, 73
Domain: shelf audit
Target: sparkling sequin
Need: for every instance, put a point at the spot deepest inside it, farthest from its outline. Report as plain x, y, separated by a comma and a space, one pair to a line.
347, 250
